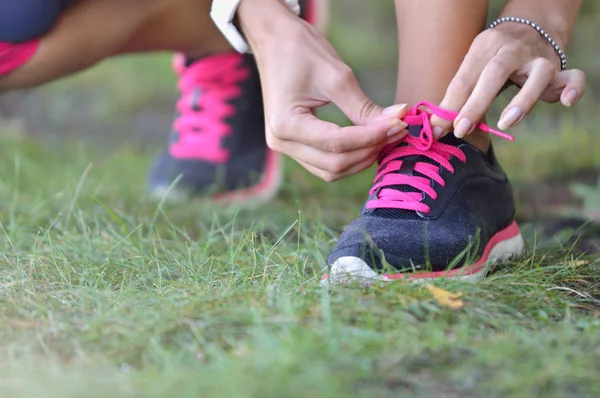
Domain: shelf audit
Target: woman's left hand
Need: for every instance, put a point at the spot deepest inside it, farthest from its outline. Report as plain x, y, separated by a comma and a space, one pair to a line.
510, 52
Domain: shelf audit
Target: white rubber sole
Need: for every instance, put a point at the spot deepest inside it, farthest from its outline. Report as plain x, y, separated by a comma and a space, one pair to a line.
353, 270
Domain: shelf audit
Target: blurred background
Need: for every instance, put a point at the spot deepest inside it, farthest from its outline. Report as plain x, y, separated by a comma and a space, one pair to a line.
128, 103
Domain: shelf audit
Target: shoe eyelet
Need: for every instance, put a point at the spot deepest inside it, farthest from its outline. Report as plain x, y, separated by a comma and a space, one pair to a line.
423, 214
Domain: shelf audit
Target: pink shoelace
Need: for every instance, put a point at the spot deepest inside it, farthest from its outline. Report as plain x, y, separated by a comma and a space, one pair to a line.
424, 145
206, 87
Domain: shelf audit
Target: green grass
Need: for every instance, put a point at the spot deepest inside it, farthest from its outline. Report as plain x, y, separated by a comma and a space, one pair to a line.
106, 294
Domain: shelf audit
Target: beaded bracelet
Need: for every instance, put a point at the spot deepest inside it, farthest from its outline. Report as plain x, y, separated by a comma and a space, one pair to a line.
561, 54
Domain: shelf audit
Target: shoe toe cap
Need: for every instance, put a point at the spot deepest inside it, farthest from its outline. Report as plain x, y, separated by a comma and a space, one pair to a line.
405, 244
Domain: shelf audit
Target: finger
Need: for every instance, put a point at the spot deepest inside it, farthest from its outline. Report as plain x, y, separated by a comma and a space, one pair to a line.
567, 87
572, 84
459, 90
345, 92
542, 73
334, 163
397, 111
329, 137
331, 177
493, 77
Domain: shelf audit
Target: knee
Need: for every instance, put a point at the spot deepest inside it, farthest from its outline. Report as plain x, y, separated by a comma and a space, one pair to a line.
24, 20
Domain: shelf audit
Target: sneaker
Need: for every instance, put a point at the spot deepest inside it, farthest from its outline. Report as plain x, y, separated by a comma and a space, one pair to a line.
217, 144
436, 209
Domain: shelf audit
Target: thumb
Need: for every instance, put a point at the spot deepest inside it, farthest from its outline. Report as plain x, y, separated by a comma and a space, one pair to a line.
354, 103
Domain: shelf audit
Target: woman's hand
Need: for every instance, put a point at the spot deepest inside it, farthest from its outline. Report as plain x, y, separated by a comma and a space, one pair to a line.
300, 72
510, 52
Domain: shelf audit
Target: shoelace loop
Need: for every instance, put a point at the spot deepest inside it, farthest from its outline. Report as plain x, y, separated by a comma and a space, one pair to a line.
394, 156
420, 115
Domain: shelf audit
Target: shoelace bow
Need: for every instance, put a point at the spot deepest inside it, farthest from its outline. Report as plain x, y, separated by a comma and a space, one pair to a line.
424, 145
206, 88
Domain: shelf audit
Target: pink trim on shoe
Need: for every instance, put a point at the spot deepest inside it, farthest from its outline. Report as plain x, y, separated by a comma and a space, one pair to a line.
265, 190
311, 12
317, 13
510, 232
13, 56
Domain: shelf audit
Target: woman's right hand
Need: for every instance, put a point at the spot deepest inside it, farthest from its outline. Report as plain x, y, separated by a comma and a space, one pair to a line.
300, 72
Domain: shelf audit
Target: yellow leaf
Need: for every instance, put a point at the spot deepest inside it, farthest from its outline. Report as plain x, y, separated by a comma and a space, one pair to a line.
446, 298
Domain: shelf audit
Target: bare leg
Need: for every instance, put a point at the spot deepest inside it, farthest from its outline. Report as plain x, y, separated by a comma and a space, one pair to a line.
434, 37
93, 30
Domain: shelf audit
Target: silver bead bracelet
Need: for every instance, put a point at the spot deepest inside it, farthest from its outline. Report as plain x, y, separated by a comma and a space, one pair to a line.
561, 54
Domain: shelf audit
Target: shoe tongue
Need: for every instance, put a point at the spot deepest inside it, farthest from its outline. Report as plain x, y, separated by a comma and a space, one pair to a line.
415, 130
408, 167
451, 139
409, 162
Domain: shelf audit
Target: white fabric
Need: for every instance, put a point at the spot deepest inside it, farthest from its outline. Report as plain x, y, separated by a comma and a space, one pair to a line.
223, 13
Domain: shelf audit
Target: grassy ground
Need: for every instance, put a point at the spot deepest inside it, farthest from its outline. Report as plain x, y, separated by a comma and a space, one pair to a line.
106, 294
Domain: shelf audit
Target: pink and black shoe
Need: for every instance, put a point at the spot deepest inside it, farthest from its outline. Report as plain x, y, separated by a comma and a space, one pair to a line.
436, 209
217, 145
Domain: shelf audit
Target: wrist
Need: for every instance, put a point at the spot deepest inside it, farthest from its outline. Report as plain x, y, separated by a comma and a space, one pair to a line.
554, 20
534, 35
262, 20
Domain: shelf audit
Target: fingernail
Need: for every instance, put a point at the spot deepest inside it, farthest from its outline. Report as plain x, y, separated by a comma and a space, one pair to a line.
396, 138
396, 129
571, 98
437, 131
393, 109
463, 128
511, 117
